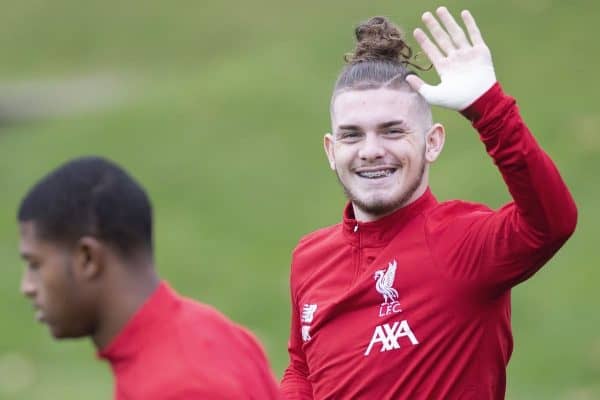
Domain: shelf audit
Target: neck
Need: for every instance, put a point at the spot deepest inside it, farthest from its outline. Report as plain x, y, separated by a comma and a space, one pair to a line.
129, 288
365, 216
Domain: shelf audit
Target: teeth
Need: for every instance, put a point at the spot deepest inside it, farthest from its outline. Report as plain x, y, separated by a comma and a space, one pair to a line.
376, 174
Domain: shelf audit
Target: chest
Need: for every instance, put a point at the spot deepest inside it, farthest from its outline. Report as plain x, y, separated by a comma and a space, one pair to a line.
363, 301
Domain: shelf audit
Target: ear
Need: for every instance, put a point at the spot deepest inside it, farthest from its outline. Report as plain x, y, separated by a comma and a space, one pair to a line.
328, 142
434, 142
89, 260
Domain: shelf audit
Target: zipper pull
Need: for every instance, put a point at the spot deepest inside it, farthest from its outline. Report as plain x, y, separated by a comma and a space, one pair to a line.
356, 228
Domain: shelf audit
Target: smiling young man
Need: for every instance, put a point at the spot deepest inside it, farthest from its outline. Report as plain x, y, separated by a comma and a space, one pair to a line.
408, 297
86, 235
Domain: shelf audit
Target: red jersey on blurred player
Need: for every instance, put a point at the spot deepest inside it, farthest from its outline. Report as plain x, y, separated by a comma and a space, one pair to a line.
86, 234
409, 298
176, 348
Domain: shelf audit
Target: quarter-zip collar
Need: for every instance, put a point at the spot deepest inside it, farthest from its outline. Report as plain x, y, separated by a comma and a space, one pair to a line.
380, 232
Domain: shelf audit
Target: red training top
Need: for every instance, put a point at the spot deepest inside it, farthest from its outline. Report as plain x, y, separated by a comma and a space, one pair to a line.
416, 305
175, 348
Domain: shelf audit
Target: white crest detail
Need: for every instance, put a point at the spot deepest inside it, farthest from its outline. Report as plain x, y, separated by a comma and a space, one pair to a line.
308, 313
385, 281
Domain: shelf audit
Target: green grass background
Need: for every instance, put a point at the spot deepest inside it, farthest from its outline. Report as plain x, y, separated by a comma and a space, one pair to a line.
226, 105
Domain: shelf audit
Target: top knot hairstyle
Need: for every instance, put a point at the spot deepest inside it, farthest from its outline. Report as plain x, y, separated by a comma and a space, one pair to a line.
380, 58
378, 39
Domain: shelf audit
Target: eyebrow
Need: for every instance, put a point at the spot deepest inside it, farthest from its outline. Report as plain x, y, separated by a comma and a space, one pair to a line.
380, 126
391, 123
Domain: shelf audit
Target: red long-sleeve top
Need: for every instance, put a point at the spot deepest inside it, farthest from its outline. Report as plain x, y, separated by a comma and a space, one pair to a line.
416, 305
175, 348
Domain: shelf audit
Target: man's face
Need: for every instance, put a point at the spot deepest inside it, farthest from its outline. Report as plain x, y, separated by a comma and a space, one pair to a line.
377, 148
49, 283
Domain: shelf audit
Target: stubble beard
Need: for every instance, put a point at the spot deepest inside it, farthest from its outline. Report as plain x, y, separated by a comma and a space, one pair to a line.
381, 207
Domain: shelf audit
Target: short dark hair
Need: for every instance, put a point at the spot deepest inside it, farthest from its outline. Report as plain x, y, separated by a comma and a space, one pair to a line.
90, 196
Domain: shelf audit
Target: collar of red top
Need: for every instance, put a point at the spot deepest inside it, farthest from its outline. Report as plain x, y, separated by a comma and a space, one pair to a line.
379, 233
142, 326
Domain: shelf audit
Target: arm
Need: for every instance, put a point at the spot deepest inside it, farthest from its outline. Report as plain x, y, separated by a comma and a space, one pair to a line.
507, 246
542, 211
295, 384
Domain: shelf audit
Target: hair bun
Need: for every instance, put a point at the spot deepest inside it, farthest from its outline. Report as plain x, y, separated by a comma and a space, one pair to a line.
378, 39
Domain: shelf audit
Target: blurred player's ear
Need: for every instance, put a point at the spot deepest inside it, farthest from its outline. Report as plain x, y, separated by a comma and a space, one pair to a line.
434, 142
328, 146
89, 258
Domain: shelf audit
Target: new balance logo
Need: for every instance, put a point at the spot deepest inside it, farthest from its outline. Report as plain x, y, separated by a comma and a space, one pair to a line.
308, 313
388, 336
306, 333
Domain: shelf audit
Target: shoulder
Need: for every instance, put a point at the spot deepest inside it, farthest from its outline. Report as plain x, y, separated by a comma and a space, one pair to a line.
201, 319
455, 214
209, 321
316, 239
316, 244
205, 334
200, 345
313, 246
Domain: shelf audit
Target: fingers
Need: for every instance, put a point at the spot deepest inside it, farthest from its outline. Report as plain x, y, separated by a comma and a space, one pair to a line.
431, 51
449, 36
472, 28
438, 33
457, 35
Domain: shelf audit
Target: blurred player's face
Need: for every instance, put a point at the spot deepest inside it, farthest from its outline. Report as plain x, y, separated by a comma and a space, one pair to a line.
51, 285
380, 147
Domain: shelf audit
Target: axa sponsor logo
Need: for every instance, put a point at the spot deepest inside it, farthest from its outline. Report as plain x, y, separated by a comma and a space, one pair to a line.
387, 337
384, 284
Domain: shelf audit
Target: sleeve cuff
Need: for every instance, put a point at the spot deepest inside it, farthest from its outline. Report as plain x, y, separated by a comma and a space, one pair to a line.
484, 104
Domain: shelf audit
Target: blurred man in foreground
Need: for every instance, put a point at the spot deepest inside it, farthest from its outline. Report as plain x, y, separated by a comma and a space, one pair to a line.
409, 298
86, 235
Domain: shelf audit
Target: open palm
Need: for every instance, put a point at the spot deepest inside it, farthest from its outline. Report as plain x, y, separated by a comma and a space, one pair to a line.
463, 63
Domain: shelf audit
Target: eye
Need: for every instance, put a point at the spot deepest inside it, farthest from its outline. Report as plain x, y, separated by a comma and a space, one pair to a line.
395, 132
33, 266
349, 135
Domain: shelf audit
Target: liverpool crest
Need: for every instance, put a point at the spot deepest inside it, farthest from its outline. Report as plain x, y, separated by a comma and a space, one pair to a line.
384, 284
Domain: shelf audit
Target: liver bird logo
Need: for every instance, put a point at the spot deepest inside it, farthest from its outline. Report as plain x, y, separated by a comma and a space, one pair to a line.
385, 281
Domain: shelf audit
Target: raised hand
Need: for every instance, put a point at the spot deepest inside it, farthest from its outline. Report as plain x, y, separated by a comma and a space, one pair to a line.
463, 63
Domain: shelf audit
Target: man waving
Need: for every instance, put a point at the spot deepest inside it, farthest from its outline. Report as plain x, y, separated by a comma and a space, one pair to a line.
408, 297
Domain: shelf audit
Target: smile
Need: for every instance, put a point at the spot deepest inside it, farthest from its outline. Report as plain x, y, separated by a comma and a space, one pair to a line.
376, 174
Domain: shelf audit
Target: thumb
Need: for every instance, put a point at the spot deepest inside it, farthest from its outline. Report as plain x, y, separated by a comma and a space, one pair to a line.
430, 93
415, 82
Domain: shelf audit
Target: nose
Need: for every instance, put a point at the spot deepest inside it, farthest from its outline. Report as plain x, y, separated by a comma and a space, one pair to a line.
27, 285
372, 149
